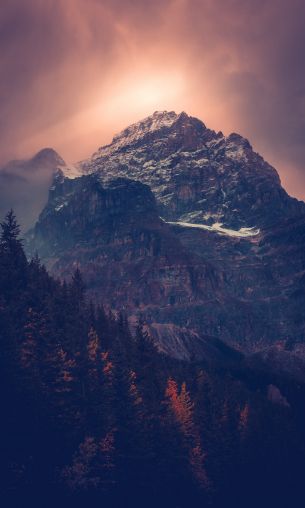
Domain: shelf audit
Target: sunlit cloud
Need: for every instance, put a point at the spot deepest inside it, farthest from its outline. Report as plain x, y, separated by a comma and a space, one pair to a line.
138, 95
75, 72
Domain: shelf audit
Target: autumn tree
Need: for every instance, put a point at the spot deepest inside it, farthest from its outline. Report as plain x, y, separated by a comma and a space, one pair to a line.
182, 408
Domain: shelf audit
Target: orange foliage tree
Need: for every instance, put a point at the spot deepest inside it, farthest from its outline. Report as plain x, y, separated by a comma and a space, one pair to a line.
182, 408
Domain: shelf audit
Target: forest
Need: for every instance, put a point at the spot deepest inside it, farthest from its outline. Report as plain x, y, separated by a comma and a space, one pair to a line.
92, 414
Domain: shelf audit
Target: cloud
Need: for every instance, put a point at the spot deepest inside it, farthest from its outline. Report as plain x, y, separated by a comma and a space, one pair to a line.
69, 68
24, 186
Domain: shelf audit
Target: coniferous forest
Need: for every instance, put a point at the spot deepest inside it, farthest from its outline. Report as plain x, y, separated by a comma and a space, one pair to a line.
93, 415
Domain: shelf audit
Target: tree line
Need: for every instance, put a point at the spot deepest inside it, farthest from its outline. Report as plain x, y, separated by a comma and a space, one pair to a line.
93, 413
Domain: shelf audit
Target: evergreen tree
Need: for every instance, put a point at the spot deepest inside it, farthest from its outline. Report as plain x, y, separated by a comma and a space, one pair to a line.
13, 263
83, 399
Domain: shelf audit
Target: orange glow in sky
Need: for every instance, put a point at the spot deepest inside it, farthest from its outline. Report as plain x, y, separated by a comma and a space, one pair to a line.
75, 72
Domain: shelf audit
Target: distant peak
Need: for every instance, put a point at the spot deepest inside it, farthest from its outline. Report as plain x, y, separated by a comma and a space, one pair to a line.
50, 155
47, 151
49, 158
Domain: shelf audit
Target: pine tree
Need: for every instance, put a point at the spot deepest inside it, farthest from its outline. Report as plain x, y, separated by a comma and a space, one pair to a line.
59, 374
243, 424
145, 346
77, 290
93, 346
81, 474
94, 379
107, 466
10, 231
13, 263
33, 342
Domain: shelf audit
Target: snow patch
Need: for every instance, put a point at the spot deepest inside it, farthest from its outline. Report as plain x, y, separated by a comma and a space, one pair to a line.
217, 228
59, 207
236, 150
71, 171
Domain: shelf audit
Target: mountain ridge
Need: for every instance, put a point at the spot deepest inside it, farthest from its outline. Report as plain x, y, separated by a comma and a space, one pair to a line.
183, 151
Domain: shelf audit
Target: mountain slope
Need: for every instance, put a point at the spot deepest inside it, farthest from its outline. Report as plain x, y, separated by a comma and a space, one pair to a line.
131, 259
186, 227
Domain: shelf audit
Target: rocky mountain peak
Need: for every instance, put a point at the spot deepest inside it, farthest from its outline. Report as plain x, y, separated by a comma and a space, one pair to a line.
158, 120
186, 226
159, 126
197, 175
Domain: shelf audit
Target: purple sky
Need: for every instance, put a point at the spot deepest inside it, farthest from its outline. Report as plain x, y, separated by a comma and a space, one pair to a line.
74, 72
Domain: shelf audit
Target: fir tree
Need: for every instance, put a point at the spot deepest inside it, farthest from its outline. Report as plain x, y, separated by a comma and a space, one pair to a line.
13, 263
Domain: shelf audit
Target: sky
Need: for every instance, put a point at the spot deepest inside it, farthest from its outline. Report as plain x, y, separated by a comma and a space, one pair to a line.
75, 72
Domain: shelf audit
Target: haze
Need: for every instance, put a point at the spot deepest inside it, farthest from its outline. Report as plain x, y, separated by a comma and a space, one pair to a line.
74, 72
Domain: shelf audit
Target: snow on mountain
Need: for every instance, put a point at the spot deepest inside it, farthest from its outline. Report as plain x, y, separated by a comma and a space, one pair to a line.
194, 172
217, 228
135, 132
218, 258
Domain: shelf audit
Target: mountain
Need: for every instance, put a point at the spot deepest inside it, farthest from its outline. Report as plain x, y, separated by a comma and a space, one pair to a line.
189, 229
197, 175
24, 184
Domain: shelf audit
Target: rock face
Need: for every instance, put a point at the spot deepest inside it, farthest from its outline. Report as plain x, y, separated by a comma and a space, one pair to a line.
188, 228
130, 257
